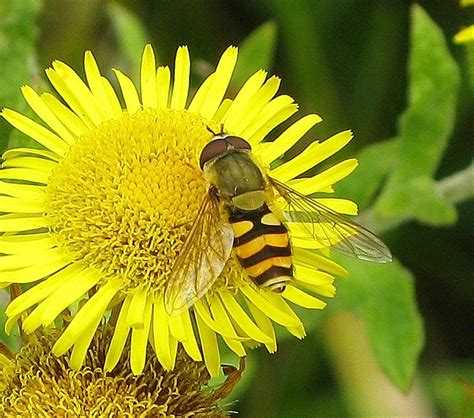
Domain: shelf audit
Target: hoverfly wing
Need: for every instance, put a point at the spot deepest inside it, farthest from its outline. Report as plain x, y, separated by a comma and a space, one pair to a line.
201, 259
330, 228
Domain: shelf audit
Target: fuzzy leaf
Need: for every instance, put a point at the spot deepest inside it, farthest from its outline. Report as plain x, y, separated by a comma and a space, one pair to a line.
427, 123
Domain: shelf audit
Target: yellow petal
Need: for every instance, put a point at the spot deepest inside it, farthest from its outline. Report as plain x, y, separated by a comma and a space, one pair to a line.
148, 78
465, 35
19, 152
68, 118
277, 300
119, 338
266, 113
236, 110
15, 244
129, 92
177, 327
27, 191
75, 92
164, 342
69, 292
289, 138
45, 113
253, 106
344, 206
34, 130
327, 178
88, 315
301, 298
35, 272
94, 80
20, 205
221, 317
18, 261
267, 308
15, 223
201, 93
265, 324
81, 346
137, 308
181, 79
25, 174
209, 346
276, 120
40, 291
190, 343
163, 79
312, 276
220, 82
140, 340
311, 259
311, 156
112, 98
240, 317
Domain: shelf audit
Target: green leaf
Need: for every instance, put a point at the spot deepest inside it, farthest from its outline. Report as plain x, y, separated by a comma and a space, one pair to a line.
427, 123
256, 52
383, 296
131, 36
18, 36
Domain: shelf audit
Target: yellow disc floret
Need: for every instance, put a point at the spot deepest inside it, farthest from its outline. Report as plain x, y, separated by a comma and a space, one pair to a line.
125, 195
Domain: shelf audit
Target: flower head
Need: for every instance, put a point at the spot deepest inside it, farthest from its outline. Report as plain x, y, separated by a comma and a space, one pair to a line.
40, 384
95, 217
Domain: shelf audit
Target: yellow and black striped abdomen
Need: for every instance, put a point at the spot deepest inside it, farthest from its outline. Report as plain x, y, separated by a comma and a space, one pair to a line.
262, 246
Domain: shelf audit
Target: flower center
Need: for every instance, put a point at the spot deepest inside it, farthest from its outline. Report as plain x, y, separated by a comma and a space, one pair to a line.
125, 196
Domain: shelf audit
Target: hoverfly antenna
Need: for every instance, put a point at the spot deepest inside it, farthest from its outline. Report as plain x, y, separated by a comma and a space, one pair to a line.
210, 130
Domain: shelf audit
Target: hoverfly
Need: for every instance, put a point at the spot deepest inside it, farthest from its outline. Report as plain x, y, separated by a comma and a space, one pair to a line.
256, 236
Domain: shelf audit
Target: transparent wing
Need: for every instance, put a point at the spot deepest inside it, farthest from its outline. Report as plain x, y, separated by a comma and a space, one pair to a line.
201, 259
330, 228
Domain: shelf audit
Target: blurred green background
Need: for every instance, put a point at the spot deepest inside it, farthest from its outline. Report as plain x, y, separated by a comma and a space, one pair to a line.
397, 339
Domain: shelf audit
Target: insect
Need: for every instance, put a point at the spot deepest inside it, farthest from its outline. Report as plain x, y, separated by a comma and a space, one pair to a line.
258, 238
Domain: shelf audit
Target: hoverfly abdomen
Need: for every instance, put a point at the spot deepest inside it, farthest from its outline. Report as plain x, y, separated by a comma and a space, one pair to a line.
262, 246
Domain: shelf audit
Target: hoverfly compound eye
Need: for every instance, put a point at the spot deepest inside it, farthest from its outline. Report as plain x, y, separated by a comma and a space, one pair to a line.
212, 149
238, 143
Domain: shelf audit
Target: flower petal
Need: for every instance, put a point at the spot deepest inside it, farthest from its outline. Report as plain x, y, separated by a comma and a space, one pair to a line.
129, 92
119, 338
140, 340
40, 291
164, 342
34, 130
311, 156
84, 319
181, 79
210, 348
45, 113
240, 317
148, 78
163, 79
220, 82
78, 284
327, 178
301, 298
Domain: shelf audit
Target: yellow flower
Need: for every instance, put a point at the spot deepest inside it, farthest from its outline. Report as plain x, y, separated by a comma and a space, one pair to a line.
35, 383
94, 218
